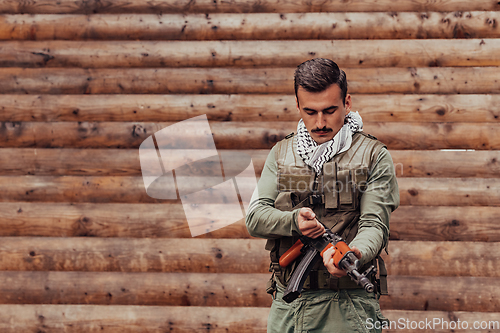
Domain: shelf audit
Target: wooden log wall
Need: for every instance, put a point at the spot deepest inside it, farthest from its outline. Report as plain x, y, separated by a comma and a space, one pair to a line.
83, 248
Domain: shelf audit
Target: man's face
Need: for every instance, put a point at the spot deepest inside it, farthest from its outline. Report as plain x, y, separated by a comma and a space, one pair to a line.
323, 113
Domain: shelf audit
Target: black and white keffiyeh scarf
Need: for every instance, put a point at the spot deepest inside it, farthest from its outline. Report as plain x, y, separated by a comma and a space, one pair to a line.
315, 156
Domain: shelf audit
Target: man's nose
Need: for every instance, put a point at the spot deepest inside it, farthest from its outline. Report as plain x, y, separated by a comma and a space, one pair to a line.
320, 120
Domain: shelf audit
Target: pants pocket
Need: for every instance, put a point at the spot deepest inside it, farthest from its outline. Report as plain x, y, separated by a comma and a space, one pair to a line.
281, 318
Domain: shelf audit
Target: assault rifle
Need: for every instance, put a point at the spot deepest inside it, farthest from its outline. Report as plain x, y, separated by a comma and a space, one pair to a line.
313, 249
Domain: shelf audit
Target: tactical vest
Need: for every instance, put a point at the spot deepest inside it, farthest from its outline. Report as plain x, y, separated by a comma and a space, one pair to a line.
334, 195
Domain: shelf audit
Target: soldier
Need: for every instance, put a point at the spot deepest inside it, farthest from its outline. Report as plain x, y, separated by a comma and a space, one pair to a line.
330, 171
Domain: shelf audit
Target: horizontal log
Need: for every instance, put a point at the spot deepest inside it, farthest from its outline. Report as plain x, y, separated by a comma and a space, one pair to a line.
125, 162
236, 135
131, 319
445, 164
348, 54
431, 108
181, 319
442, 322
261, 26
238, 290
440, 294
181, 107
95, 189
118, 288
435, 135
243, 107
226, 135
75, 189
104, 220
448, 191
115, 319
238, 6
98, 162
90, 254
443, 258
438, 80
412, 223
225, 256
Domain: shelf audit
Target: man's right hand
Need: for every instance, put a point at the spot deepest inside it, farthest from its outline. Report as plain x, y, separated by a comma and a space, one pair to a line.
308, 224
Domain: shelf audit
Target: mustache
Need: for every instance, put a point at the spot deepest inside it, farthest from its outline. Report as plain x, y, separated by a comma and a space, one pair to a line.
324, 129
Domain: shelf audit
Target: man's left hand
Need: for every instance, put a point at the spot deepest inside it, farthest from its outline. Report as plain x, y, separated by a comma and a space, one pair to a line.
330, 266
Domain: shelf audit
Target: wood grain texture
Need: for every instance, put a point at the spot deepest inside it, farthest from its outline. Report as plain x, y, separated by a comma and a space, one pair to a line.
99, 162
238, 6
241, 256
253, 26
234, 290
94, 189
439, 80
131, 319
448, 191
236, 135
435, 135
182, 319
130, 135
426, 258
242, 107
175, 54
440, 294
175, 255
446, 164
117, 288
411, 223
415, 223
125, 162
166, 220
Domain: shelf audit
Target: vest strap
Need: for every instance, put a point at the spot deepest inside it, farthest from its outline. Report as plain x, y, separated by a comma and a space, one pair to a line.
383, 276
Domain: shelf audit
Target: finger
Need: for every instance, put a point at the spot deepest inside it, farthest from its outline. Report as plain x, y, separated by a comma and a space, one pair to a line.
308, 226
317, 230
307, 213
328, 257
318, 233
328, 254
313, 233
330, 251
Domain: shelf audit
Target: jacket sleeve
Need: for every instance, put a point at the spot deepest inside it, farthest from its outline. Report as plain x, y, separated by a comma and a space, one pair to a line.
379, 200
263, 219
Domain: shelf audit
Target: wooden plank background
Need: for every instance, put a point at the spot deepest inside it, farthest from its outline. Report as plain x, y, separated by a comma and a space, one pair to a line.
83, 248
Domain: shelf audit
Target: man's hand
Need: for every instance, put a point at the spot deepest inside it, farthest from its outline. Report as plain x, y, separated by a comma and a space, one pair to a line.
328, 261
308, 224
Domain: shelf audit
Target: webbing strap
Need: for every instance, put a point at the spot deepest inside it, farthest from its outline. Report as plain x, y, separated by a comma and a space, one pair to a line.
383, 276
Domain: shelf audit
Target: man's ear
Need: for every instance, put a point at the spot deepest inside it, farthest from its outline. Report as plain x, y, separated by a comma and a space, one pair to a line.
297, 103
348, 104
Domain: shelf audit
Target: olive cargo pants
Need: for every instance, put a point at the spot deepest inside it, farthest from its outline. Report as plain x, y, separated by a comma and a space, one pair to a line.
326, 311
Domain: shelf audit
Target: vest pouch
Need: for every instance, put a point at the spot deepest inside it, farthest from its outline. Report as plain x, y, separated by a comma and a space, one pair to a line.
293, 179
345, 188
286, 201
330, 185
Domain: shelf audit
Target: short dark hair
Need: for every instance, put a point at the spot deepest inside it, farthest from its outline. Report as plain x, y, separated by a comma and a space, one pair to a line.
318, 74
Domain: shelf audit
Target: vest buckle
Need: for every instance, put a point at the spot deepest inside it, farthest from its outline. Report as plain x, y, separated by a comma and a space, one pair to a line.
316, 199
